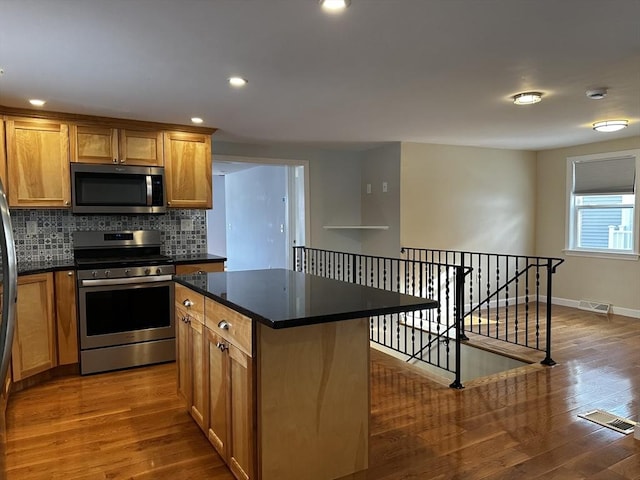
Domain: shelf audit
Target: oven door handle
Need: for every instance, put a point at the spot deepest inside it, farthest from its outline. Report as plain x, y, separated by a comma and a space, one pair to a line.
125, 281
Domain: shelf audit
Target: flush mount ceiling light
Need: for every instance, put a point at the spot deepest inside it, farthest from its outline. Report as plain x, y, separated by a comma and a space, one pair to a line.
237, 81
334, 5
610, 125
37, 102
527, 98
196, 120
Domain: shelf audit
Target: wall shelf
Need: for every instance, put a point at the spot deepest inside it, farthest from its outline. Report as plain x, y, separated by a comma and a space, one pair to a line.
356, 227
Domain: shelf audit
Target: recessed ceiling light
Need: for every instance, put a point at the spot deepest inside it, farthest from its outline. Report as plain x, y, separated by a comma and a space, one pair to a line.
237, 81
196, 120
610, 125
527, 98
334, 5
36, 102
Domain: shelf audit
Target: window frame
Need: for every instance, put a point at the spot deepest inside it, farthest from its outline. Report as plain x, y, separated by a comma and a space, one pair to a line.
571, 226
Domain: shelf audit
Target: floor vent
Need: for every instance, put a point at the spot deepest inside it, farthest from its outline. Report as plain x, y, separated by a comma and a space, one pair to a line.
596, 307
606, 419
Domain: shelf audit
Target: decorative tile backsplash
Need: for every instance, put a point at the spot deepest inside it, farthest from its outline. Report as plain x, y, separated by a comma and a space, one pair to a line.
182, 231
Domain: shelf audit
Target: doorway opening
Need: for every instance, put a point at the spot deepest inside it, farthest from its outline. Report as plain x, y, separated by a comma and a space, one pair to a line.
259, 211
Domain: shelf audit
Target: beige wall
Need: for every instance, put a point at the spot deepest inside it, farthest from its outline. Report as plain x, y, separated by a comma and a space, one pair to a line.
381, 208
581, 278
467, 198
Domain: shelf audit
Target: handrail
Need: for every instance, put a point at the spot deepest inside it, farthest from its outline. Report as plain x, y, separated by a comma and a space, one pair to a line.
422, 272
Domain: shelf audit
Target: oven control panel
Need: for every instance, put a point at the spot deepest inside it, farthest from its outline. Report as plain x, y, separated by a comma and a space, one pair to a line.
125, 272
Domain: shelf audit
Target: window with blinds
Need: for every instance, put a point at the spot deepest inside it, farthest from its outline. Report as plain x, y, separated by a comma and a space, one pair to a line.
602, 203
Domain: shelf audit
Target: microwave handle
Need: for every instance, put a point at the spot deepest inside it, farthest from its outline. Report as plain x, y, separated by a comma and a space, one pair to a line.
149, 191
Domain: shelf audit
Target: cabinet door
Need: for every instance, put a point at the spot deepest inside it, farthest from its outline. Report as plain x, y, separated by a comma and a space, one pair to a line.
198, 399
3, 157
38, 163
188, 170
218, 392
94, 144
241, 449
182, 355
66, 317
34, 342
141, 148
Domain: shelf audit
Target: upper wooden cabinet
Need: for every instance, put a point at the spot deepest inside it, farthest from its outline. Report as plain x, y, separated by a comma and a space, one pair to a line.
38, 163
97, 144
187, 161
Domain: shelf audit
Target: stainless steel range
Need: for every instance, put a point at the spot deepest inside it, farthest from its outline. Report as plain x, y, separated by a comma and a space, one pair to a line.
125, 300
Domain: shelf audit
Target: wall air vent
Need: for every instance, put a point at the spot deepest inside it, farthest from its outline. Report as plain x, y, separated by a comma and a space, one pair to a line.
606, 419
596, 307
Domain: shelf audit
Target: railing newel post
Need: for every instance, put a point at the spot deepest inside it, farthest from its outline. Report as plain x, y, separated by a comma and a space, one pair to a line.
550, 270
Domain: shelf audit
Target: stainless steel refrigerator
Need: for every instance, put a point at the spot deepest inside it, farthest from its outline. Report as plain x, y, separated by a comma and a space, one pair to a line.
8, 289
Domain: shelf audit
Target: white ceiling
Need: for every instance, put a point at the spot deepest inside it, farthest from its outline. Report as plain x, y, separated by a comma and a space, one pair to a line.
432, 71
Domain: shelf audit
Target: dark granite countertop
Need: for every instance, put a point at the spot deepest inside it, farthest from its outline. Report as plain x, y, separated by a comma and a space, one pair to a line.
197, 258
44, 266
282, 298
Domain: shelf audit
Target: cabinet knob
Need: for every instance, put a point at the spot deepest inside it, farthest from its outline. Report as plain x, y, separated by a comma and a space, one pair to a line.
187, 303
69, 274
222, 346
115, 160
224, 325
122, 161
67, 202
168, 204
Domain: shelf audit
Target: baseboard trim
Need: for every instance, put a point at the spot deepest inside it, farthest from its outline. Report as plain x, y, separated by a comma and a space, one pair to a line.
566, 302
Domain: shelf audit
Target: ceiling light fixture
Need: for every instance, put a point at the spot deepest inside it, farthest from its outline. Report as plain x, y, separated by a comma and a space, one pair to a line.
196, 120
527, 98
37, 102
610, 125
237, 81
334, 5
596, 93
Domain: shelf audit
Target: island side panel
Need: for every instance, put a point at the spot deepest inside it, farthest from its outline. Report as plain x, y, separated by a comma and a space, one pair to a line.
313, 400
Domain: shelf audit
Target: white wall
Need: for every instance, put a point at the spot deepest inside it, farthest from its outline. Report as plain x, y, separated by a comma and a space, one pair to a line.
467, 198
334, 189
217, 220
256, 218
611, 281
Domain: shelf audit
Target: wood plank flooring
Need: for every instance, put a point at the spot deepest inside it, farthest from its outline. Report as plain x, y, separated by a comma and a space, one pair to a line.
520, 424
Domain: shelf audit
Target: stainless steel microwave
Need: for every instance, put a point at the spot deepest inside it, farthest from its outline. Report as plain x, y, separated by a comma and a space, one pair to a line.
117, 189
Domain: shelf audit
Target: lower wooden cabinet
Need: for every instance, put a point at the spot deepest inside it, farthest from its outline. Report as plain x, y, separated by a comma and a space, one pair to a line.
217, 374
66, 317
190, 354
230, 395
224, 373
241, 451
34, 341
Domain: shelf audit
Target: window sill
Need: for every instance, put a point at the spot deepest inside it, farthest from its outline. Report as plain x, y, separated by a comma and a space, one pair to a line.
600, 254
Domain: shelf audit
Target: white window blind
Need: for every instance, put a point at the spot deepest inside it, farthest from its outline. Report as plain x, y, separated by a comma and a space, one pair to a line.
606, 176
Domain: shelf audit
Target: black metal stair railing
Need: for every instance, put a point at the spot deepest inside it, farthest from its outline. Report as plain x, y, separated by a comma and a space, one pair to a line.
423, 335
508, 297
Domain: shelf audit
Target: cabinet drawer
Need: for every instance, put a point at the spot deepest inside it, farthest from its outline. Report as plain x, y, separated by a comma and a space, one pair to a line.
199, 268
229, 324
190, 301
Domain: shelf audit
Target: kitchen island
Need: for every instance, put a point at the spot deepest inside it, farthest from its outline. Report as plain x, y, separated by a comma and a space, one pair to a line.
274, 367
